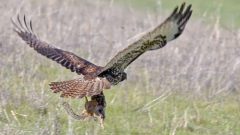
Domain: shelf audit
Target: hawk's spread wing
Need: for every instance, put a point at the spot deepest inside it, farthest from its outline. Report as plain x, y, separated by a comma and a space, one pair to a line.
170, 29
66, 59
79, 88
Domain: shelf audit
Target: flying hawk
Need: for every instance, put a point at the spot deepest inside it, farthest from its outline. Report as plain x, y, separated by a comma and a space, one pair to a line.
97, 78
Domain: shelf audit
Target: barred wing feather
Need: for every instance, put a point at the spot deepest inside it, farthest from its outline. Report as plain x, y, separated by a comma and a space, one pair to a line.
79, 88
169, 30
66, 59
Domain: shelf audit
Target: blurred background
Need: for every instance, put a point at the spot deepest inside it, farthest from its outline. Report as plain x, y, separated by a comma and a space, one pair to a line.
191, 86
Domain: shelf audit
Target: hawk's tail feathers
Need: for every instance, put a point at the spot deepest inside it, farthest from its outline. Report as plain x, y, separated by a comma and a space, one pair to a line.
79, 88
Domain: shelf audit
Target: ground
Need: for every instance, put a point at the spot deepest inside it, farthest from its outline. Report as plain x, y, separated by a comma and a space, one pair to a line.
191, 86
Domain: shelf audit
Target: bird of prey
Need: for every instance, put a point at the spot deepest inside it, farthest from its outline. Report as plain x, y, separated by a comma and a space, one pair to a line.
97, 78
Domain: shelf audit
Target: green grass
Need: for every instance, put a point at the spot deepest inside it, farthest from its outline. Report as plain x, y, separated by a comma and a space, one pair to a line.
127, 114
227, 10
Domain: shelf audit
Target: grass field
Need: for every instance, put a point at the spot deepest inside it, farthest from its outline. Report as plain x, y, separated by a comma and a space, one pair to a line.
169, 114
226, 10
191, 86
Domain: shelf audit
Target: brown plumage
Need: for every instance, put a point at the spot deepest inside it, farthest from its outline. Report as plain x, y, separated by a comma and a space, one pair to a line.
96, 78
79, 88
65, 58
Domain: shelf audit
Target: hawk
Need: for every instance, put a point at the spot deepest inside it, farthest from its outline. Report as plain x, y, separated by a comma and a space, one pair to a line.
96, 78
